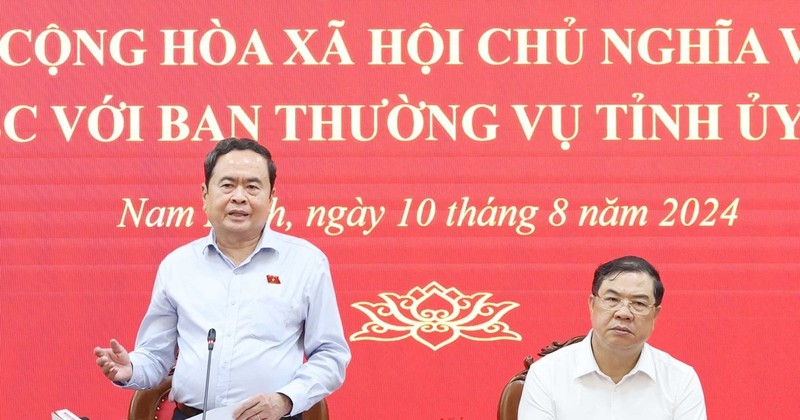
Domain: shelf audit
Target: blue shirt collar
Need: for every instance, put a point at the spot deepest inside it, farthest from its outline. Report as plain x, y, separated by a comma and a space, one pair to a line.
267, 241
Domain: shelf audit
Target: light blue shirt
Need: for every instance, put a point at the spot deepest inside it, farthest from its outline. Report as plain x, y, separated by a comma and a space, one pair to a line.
264, 328
568, 385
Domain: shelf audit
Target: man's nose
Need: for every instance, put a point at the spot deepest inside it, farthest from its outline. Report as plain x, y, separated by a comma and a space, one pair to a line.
624, 312
238, 195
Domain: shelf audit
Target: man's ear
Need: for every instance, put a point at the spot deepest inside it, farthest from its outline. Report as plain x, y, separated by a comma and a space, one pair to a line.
272, 198
204, 190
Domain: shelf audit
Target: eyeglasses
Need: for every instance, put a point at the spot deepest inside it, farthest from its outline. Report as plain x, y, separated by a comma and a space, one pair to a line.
614, 303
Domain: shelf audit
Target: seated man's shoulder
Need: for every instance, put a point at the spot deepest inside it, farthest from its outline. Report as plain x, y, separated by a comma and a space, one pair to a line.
670, 365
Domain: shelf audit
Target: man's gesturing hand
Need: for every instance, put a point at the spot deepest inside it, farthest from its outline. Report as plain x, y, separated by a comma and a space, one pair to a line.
114, 362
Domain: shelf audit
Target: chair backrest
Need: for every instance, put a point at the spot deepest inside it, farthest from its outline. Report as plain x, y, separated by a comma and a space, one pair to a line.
512, 392
153, 404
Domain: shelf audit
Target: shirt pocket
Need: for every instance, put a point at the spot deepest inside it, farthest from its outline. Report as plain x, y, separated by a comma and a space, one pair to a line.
272, 319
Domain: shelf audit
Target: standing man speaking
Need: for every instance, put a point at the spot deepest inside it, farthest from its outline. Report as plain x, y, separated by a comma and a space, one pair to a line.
268, 295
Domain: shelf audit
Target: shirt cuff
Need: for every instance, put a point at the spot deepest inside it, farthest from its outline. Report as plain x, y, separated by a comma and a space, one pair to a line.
134, 382
294, 391
291, 403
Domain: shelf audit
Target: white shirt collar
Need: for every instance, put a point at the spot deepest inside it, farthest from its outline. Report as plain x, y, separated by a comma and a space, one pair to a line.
585, 362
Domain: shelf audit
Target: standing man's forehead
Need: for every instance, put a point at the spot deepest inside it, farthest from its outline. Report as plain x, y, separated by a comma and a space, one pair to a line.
239, 154
240, 158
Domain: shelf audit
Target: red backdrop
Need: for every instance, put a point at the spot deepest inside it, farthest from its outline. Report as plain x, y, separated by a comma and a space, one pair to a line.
721, 219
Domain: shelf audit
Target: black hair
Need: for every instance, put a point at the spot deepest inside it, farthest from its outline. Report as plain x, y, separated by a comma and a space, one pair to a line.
629, 264
230, 144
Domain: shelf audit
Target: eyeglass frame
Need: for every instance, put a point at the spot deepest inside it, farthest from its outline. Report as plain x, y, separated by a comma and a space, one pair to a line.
622, 302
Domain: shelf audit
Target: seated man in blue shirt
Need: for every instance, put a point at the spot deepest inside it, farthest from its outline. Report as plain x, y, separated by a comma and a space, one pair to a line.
268, 295
613, 373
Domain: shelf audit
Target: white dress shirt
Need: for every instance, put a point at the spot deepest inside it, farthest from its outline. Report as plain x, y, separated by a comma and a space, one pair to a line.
265, 326
568, 385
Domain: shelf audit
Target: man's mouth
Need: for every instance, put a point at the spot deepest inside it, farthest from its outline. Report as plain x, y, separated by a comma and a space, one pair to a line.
622, 329
238, 213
